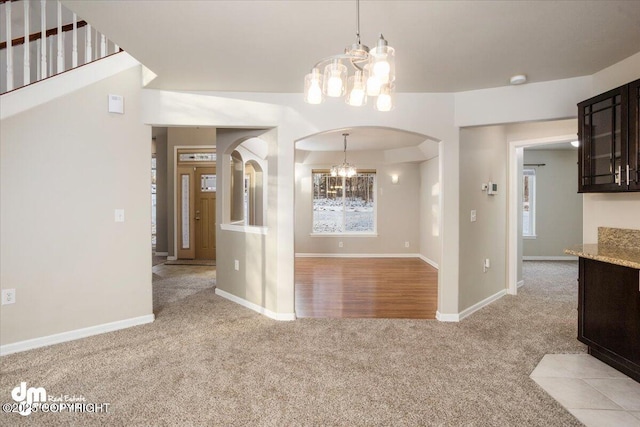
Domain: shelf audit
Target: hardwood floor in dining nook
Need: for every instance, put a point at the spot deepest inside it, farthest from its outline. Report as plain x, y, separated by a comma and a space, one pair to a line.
366, 287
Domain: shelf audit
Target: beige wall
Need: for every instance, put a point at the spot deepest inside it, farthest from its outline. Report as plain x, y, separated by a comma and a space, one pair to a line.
430, 210
181, 137
64, 167
558, 204
483, 158
162, 243
257, 254
397, 207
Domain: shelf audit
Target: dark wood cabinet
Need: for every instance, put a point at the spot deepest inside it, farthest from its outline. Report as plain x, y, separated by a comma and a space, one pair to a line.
634, 135
608, 134
609, 314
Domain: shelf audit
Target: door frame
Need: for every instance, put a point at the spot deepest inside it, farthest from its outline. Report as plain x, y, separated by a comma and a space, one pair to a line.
515, 156
175, 187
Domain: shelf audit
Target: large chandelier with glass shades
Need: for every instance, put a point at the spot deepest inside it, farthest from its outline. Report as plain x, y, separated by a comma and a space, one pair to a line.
345, 170
373, 74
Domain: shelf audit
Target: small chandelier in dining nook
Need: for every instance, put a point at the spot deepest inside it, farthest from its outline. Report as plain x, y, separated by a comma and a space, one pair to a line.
373, 74
345, 169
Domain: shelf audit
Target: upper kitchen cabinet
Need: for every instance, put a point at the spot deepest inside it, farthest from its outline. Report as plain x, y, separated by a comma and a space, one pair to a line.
609, 142
634, 136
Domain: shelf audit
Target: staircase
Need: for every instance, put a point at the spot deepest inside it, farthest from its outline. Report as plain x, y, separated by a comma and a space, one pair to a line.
41, 38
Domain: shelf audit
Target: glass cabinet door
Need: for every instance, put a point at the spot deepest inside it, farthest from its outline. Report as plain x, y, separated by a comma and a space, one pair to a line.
603, 142
634, 136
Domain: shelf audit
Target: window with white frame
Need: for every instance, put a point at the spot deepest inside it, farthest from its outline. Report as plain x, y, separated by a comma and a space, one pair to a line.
528, 203
344, 205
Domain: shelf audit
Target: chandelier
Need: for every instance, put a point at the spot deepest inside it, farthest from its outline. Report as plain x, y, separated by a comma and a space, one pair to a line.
345, 169
373, 74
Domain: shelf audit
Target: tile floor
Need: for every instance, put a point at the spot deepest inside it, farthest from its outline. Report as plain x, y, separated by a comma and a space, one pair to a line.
595, 393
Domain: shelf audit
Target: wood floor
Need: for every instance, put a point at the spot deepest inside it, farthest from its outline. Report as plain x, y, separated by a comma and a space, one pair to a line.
366, 287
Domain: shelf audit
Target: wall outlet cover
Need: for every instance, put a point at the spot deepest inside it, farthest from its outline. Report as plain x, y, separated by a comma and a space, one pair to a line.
8, 296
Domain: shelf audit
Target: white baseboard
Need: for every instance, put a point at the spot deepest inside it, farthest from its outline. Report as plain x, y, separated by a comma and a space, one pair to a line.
550, 258
485, 302
74, 335
353, 255
520, 283
431, 262
172, 258
162, 253
456, 317
447, 317
255, 307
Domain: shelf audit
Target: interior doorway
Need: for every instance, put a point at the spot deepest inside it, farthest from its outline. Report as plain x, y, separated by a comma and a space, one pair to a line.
520, 224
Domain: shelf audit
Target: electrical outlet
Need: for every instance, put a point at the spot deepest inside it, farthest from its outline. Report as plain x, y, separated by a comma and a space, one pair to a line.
8, 296
406, 244
486, 265
119, 215
473, 215
236, 265
340, 245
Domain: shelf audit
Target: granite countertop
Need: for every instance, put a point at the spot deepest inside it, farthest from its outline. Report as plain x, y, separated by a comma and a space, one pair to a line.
615, 246
626, 257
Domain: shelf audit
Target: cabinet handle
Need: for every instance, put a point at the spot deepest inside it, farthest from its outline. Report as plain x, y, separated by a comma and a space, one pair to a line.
627, 174
618, 177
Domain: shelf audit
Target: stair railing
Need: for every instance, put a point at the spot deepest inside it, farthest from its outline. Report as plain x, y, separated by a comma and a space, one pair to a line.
50, 49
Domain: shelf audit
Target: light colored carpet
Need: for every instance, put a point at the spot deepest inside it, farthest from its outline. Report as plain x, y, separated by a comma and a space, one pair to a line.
208, 361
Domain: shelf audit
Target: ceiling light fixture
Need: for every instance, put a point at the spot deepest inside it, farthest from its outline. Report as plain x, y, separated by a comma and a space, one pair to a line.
518, 80
345, 169
373, 74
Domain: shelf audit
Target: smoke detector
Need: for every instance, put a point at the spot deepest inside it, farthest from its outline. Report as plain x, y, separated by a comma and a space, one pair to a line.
518, 79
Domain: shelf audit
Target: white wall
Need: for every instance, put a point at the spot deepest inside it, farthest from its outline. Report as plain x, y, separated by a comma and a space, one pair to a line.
65, 166
558, 205
430, 210
397, 207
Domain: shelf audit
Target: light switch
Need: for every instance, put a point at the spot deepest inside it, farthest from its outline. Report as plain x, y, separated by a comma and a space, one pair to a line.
119, 215
473, 215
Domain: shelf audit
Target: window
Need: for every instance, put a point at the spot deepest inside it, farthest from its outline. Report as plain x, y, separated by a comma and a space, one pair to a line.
344, 205
529, 203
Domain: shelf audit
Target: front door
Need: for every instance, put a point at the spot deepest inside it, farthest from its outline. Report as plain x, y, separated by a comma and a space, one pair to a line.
205, 212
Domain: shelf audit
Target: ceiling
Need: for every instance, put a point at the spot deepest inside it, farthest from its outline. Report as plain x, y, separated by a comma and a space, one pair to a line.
360, 139
441, 46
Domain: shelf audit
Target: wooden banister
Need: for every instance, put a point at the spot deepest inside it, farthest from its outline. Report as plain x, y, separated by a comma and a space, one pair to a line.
37, 36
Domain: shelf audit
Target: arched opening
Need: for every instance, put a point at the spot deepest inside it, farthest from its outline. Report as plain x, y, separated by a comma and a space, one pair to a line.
247, 194
367, 245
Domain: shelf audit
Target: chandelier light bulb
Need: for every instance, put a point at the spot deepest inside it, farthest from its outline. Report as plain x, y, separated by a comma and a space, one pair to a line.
334, 87
312, 89
357, 96
381, 70
373, 84
315, 94
384, 101
335, 75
